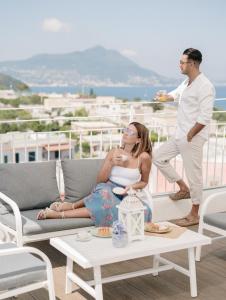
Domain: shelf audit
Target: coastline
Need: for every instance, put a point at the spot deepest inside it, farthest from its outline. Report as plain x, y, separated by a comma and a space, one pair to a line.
129, 93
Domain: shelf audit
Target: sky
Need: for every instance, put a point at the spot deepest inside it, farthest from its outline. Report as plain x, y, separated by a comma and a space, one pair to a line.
152, 33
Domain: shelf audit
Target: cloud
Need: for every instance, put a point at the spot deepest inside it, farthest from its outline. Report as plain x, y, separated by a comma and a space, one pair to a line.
129, 52
55, 25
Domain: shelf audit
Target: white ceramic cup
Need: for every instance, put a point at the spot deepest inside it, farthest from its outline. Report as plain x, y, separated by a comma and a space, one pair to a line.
162, 93
124, 157
83, 235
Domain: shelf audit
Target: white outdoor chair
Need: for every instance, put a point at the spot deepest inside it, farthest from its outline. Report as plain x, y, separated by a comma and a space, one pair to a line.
213, 217
22, 272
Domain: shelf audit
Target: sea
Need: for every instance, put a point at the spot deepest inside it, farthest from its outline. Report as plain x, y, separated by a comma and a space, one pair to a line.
128, 93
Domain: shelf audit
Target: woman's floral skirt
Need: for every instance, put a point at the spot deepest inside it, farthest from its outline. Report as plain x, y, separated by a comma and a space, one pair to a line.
102, 203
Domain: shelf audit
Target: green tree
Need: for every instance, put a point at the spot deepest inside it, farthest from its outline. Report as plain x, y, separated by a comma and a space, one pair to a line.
68, 115
5, 127
37, 126
92, 94
137, 99
219, 116
11, 102
82, 112
15, 114
154, 137
86, 147
54, 126
157, 106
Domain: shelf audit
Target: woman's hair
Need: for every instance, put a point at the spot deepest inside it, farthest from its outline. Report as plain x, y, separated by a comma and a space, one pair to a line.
145, 143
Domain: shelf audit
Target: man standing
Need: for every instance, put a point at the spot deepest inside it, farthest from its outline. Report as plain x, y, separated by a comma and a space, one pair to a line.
195, 97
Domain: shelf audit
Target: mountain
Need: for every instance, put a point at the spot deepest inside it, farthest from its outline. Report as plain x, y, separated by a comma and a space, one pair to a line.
94, 66
7, 82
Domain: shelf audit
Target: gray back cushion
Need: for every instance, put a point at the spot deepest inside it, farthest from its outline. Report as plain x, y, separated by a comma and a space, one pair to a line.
30, 185
80, 177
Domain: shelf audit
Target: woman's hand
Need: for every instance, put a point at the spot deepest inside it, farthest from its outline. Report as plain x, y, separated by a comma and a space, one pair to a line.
117, 159
127, 188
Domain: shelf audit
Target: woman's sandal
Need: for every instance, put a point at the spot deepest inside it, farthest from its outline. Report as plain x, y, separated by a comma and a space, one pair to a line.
58, 206
43, 214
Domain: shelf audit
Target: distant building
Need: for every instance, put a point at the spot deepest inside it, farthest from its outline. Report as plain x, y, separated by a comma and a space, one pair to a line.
87, 126
28, 146
60, 100
36, 111
101, 144
8, 94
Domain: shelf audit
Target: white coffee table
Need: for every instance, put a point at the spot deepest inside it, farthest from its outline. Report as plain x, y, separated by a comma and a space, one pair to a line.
99, 251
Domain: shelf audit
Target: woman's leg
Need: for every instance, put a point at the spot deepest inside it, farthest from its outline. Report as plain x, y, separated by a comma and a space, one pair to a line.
147, 213
73, 213
102, 204
64, 206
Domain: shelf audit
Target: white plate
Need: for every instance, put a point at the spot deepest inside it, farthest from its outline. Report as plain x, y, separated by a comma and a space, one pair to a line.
161, 229
118, 190
86, 238
96, 232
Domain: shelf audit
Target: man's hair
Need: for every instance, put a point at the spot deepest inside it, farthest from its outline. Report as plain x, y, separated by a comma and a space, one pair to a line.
193, 54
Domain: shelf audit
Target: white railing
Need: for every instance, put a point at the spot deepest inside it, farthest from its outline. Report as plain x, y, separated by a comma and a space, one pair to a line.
90, 143
96, 143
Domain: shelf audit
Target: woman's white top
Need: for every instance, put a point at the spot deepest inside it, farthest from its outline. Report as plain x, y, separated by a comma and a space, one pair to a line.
125, 176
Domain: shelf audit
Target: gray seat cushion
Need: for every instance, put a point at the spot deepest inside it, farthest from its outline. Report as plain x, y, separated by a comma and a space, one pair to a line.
30, 185
33, 226
80, 177
216, 219
20, 269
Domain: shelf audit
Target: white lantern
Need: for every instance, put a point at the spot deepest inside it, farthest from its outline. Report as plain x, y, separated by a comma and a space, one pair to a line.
131, 215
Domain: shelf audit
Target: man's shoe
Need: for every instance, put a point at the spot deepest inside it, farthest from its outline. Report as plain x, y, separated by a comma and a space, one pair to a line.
188, 221
180, 195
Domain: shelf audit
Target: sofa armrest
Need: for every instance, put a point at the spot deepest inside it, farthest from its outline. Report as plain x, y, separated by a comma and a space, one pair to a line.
31, 250
214, 203
49, 283
17, 214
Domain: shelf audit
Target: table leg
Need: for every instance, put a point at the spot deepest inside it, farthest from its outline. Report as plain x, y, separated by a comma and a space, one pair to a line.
69, 269
192, 271
98, 283
155, 264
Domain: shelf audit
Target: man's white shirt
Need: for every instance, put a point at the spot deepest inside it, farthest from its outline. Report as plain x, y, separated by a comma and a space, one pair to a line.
195, 105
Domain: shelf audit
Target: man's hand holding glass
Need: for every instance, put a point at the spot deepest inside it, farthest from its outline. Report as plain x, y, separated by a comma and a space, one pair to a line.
162, 96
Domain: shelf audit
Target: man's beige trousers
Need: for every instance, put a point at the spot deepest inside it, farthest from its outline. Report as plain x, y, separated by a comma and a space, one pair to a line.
191, 153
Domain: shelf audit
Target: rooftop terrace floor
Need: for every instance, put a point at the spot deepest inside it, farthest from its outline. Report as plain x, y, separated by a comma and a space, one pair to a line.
170, 285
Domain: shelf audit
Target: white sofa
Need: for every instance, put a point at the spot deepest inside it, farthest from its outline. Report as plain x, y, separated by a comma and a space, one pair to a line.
27, 188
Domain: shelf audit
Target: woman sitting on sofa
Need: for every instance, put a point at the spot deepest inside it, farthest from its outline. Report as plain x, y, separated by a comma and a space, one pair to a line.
128, 166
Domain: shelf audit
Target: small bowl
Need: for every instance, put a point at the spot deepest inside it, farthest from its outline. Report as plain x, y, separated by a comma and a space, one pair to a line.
83, 236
